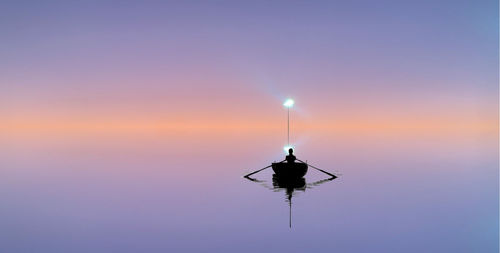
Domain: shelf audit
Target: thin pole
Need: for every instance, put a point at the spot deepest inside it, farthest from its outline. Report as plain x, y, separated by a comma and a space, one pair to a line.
288, 127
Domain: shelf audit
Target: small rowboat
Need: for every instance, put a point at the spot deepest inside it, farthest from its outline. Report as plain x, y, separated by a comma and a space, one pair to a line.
290, 170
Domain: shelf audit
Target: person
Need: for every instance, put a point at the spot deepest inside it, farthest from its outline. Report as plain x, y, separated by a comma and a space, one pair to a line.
290, 158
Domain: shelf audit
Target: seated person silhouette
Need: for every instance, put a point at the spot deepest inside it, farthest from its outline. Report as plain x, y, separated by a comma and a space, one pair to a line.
290, 158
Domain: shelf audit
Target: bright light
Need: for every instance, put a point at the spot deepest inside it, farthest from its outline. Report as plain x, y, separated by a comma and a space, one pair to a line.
286, 148
289, 103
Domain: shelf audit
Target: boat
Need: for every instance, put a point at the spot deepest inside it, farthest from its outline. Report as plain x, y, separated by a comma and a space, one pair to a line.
289, 170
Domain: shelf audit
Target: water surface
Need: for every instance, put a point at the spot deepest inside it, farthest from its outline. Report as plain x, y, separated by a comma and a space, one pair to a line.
170, 193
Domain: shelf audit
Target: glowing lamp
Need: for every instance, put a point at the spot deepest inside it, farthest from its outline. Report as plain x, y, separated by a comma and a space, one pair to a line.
289, 103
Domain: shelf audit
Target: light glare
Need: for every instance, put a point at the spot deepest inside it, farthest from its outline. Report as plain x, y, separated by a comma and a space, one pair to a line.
289, 103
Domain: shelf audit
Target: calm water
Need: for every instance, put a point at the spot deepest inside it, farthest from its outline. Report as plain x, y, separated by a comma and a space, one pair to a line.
179, 194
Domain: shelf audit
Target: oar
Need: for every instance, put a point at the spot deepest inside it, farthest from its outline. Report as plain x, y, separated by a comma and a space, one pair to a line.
333, 176
260, 170
257, 171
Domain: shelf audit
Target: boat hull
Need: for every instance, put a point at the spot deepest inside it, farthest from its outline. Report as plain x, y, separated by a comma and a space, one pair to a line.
290, 170
289, 183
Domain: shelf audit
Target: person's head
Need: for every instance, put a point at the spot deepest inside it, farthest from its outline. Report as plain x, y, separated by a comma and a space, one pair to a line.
290, 151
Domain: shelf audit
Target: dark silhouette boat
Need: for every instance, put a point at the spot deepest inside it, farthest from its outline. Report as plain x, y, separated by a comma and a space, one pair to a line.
289, 183
290, 170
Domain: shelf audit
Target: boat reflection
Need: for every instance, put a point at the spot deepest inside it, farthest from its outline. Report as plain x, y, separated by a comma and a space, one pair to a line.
289, 186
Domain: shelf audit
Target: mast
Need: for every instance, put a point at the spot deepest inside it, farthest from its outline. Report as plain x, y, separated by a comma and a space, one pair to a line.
288, 127
288, 103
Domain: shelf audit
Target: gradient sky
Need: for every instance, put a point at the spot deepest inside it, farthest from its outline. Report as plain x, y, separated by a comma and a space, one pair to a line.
126, 125
208, 65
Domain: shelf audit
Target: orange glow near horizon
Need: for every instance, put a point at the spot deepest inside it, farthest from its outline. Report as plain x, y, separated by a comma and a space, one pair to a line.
373, 125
